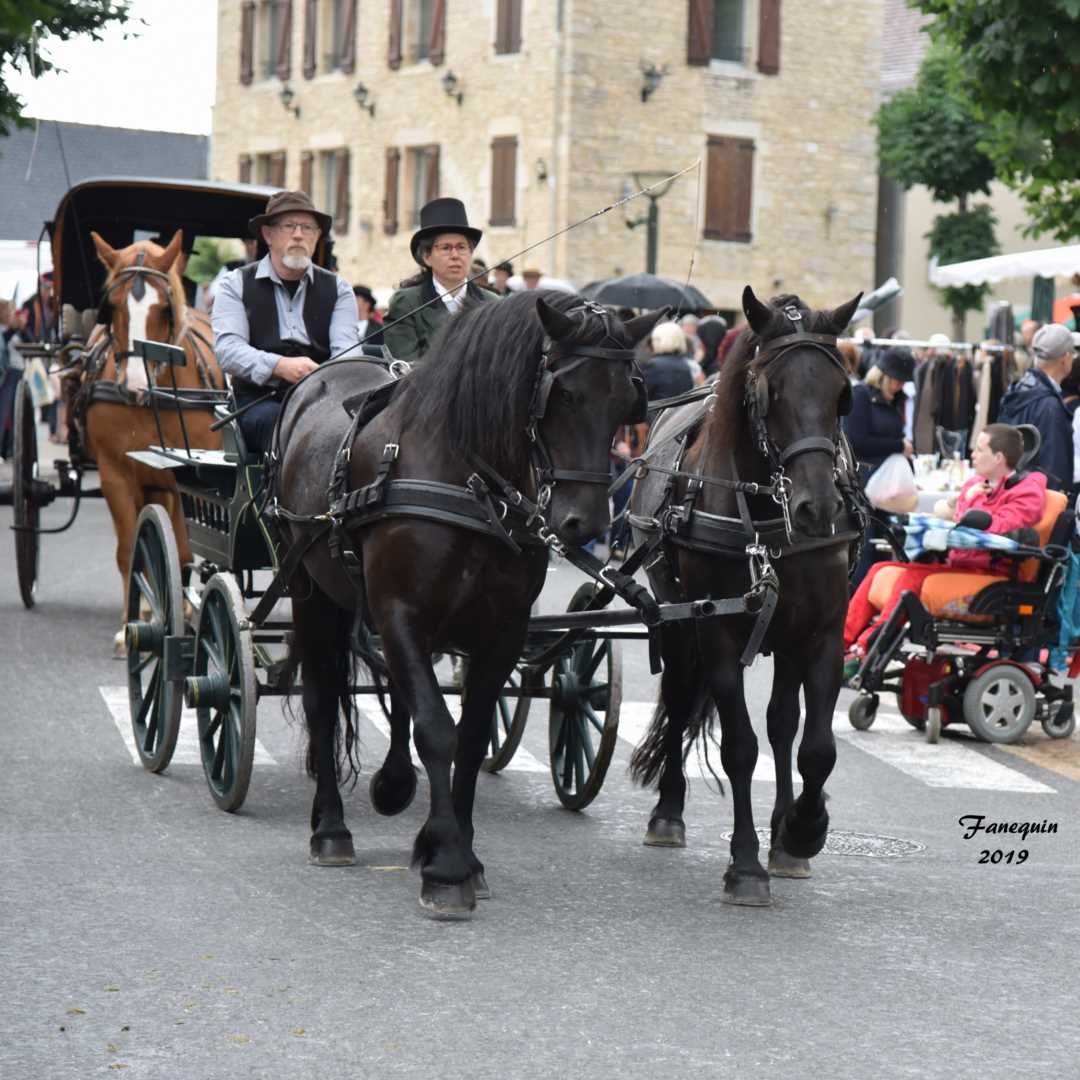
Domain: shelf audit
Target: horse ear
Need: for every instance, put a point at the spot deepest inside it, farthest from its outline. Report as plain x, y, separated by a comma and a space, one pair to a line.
165, 261
557, 325
841, 316
637, 327
757, 314
106, 253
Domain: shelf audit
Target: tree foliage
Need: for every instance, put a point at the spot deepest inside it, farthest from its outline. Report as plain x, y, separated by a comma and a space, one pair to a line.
967, 234
1019, 69
28, 26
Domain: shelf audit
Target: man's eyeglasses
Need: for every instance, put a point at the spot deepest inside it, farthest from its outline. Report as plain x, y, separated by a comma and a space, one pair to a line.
448, 249
291, 227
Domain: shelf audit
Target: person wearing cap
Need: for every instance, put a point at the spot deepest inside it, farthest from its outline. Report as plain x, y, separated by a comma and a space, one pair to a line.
531, 278
502, 275
443, 248
277, 319
1036, 399
368, 327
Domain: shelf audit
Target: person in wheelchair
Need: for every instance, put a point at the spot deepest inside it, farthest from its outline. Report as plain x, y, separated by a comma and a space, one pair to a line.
998, 499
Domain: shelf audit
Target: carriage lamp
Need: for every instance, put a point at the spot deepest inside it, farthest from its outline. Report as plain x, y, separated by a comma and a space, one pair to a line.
363, 98
653, 77
287, 97
452, 87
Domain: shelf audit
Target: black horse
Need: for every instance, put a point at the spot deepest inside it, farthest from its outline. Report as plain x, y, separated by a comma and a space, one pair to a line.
775, 411
530, 389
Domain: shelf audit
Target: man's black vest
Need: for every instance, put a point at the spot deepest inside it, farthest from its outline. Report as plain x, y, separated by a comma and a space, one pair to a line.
264, 331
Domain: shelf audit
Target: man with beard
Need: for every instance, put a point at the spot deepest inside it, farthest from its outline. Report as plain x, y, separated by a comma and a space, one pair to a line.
277, 319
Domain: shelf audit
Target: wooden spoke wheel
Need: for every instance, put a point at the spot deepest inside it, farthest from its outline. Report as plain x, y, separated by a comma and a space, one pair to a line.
583, 723
25, 485
223, 693
508, 721
154, 612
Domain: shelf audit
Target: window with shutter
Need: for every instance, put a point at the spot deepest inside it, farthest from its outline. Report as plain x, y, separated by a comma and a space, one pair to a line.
341, 193
699, 32
431, 187
437, 38
716, 30
503, 179
277, 169
728, 35
311, 37
347, 41
283, 67
729, 189
508, 26
269, 37
421, 179
769, 37
422, 27
397, 16
390, 195
247, 42
243, 171
307, 168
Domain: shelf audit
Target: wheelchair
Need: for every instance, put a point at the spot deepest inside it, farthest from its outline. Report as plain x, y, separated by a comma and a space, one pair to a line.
965, 649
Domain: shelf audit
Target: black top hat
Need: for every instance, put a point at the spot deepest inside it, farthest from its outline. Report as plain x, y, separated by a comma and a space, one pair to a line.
442, 216
897, 362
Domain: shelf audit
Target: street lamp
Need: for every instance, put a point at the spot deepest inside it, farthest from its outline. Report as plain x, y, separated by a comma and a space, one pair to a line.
363, 98
452, 87
287, 96
644, 179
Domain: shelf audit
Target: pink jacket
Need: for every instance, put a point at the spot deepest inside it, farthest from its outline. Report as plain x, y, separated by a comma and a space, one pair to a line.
1014, 506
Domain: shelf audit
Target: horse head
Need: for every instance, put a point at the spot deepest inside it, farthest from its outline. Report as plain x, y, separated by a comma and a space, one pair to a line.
143, 298
796, 391
588, 387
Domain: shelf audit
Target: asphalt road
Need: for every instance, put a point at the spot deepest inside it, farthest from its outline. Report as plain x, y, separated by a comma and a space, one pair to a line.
144, 932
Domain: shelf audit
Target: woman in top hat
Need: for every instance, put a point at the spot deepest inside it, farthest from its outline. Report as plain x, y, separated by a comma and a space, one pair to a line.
443, 247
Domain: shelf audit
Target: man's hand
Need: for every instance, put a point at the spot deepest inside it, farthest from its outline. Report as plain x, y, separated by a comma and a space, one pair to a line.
293, 368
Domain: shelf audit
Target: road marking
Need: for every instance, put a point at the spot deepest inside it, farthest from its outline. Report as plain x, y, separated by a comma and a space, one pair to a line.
944, 765
1057, 755
522, 761
187, 742
634, 720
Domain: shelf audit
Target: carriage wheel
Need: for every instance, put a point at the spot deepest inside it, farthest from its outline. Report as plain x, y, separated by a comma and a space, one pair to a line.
222, 691
154, 612
508, 720
27, 513
583, 723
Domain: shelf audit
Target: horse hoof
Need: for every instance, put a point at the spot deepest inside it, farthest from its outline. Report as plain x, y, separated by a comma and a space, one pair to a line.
665, 832
448, 900
781, 864
390, 798
480, 886
747, 891
336, 850
803, 839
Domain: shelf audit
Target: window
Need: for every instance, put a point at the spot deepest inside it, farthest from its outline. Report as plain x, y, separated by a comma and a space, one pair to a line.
729, 189
274, 33
727, 31
339, 35
503, 179
244, 169
508, 26
417, 31
720, 30
420, 14
334, 187
270, 169
247, 42
422, 179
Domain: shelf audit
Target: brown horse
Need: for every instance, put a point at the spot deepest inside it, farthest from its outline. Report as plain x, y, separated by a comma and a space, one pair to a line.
144, 298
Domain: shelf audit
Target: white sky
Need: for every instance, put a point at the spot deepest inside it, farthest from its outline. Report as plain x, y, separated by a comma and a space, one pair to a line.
161, 80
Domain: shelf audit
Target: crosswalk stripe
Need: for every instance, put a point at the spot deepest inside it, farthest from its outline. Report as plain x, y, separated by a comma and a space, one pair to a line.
187, 742
943, 765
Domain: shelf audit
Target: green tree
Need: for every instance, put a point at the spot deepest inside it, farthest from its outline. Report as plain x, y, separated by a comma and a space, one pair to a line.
28, 26
929, 134
210, 256
1017, 66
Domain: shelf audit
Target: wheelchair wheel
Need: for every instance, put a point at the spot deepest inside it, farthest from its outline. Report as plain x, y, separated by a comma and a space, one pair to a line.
862, 710
999, 704
1061, 723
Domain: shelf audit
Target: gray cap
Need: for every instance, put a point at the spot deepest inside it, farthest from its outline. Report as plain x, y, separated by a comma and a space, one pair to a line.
1051, 342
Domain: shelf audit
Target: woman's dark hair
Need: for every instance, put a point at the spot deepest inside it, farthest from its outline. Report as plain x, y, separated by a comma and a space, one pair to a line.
710, 332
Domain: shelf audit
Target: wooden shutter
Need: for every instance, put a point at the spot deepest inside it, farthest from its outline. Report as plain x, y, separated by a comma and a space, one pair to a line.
347, 45
243, 170
437, 44
307, 170
341, 193
508, 26
729, 190
247, 42
431, 186
311, 38
390, 196
699, 33
394, 56
284, 55
277, 169
503, 179
769, 37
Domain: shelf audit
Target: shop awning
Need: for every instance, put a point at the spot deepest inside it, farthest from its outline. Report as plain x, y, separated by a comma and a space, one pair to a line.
1047, 262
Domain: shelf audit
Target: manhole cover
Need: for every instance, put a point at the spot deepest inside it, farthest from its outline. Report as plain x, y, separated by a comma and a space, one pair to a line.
869, 845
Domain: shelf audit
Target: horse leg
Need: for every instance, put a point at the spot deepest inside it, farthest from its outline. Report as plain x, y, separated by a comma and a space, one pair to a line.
393, 785
783, 724
805, 824
446, 891
679, 685
125, 502
320, 643
745, 880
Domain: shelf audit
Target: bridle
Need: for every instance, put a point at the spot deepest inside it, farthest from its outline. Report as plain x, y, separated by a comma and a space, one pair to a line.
140, 273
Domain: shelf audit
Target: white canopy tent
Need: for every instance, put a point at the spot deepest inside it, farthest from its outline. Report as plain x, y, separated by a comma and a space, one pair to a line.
1047, 262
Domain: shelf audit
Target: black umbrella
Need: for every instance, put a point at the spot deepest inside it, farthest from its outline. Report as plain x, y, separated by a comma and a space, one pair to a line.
646, 291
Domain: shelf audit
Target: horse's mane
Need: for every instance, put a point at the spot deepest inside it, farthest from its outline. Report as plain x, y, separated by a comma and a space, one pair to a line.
475, 383
728, 415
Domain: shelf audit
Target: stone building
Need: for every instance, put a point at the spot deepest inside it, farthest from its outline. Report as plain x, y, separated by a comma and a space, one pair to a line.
537, 113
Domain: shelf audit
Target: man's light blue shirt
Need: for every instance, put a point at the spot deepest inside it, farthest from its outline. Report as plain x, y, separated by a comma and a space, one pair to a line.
232, 344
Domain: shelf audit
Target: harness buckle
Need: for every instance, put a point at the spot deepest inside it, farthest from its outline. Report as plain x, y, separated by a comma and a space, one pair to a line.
551, 539
390, 451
